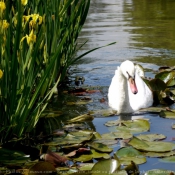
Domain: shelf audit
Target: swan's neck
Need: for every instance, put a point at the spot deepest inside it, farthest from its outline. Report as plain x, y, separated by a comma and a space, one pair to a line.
123, 95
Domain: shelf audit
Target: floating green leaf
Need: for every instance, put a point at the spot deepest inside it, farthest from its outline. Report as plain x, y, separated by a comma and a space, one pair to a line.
82, 133
155, 146
132, 126
96, 135
106, 141
170, 159
105, 167
114, 122
168, 114
165, 75
81, 118
151, 137
128, 154
157, 85
103, 112
97, 155
93, 155
74, 138
85, 166
117, 135
171, 82
152, 109
84, 158
159, 154
100, 147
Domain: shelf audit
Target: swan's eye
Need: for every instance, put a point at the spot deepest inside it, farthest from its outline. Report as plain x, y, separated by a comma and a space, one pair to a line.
129, 76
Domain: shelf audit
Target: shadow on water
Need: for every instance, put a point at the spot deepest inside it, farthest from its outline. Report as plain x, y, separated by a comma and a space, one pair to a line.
145, 33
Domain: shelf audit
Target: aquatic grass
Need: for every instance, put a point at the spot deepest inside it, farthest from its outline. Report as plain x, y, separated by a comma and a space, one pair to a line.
38, 45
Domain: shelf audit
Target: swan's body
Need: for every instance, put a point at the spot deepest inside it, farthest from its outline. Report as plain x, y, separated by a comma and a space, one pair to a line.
128, 92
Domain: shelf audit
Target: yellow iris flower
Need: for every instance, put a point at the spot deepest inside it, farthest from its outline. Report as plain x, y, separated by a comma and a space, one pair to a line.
31, 38
1, 73
2, 6
24, 2
5, 24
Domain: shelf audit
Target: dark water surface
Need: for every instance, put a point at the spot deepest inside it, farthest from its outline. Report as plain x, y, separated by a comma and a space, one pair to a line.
145, 33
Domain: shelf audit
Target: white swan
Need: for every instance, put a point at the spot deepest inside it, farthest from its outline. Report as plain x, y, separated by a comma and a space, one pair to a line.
128, 92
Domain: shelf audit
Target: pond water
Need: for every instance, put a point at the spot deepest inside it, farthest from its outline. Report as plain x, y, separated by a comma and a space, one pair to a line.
145, 33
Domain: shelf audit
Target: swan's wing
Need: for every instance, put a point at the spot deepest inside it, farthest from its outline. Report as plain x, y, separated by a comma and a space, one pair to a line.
113, 91
139, 70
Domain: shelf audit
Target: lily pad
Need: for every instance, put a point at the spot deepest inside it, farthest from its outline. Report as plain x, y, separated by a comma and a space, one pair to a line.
103, 112
151, 137
77, 152
171, 82
157, 154
81, 118
106, 141
117, 135
158, 172
82, 133
93, 155
152, 109
114, 122
170, 159
165, 75
85, 166
132, 126
97, 155
105, 167
168, 114
157, 85
70, 139
96, 135
128, 154
155, 146
100, 147
83, 158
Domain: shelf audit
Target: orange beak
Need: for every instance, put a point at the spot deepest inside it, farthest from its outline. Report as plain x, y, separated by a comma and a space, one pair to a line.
132, 85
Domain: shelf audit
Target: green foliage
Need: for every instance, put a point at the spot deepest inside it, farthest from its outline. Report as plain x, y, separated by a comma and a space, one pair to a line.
38, 45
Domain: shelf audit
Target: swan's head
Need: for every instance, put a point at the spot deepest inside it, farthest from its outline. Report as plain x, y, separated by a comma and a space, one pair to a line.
128, 70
